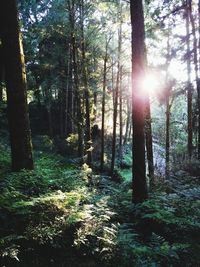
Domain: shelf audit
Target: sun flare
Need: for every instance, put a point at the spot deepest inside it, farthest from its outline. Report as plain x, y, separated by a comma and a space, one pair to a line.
150, 84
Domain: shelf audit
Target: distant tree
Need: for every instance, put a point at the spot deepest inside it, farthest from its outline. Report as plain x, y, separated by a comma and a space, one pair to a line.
15, 78
189, 84
116, 94
103, 104
88, 139
138, 101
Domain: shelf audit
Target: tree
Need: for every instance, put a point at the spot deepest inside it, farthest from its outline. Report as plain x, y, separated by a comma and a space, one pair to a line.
103, 104
86, 90
149, 143
190, 17
189, 84
15, 78
116, 94
138, 101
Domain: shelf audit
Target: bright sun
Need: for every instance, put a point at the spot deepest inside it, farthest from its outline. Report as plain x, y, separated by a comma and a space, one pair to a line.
150, 84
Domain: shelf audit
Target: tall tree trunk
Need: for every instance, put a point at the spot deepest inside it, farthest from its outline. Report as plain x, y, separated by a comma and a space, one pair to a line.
15, 78
149, 143
120, 118
195, 53
189, 85
69, 96
77, 100
168, 107
138, 100
167, 140
88, 139
103, 106
198, 83
116, 97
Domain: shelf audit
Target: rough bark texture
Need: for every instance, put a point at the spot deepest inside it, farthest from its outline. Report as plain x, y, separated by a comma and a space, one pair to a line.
138, 101
15, 78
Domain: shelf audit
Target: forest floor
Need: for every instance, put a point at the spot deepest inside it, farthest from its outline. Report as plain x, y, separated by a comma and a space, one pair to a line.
62, 214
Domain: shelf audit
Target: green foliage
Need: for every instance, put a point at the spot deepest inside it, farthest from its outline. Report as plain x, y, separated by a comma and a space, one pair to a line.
64, 206
4, 157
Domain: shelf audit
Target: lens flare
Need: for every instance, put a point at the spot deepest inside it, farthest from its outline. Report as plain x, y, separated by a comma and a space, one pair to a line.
149, 84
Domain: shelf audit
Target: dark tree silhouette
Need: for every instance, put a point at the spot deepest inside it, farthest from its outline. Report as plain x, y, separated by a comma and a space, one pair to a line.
138, 101
15, 78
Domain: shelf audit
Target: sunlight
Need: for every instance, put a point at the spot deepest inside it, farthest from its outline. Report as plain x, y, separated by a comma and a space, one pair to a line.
150, 84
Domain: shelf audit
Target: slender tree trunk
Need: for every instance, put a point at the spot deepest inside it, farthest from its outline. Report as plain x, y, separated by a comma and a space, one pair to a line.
149, 144
103, 106
116, 97
128, 120
88, 139
195, 53
189, 85
15, 78
69, 96
138, 101
77, 101
168, 89
120, 118
167, 140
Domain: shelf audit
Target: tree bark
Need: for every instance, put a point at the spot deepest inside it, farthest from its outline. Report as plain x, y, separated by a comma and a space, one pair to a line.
195, 53
149, 144
88, 139
69, 97
128, 121
103, 106
116, 98
189, 85
167, 140
120, 118
15, 78
77, 101
138, 101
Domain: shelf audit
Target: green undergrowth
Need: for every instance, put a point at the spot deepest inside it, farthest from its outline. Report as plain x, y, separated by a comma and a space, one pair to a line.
63, 214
